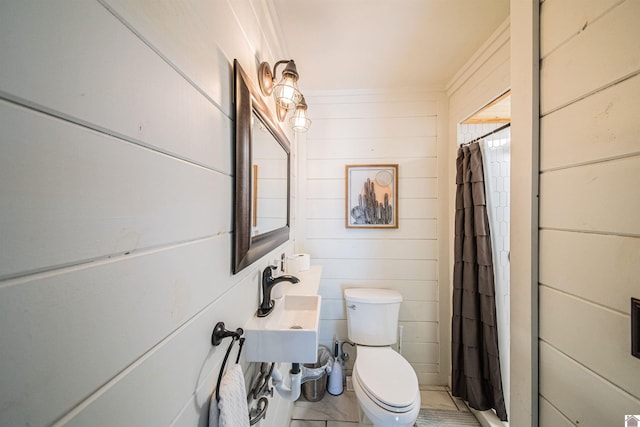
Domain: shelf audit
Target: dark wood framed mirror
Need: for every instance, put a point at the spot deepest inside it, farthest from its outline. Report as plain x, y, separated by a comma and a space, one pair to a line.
262, 176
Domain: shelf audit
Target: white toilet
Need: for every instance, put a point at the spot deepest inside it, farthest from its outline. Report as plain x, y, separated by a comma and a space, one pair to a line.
385, 384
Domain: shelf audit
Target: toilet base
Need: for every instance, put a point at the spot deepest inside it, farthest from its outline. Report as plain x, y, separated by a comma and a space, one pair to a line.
364, 421
373, 415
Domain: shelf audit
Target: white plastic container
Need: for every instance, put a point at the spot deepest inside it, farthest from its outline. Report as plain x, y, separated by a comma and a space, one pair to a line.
335, 386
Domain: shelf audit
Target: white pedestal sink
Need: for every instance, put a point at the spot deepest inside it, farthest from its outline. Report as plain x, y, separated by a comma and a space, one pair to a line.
288, 334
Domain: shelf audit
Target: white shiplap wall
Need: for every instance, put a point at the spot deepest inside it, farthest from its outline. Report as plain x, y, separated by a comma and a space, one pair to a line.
589, 199
376, 128
115, 208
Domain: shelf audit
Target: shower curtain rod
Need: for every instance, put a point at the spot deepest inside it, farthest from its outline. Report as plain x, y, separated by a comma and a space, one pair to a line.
496, 130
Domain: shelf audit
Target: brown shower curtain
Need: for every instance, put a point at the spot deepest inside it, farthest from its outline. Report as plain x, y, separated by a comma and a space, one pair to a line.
474, 336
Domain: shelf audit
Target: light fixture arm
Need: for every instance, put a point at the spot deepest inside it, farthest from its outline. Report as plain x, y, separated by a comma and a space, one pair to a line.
290, 61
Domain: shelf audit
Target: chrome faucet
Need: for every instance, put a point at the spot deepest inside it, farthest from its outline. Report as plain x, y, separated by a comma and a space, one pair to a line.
268, 282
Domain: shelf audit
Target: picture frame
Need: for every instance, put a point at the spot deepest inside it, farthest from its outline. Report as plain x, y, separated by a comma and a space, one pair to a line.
371, 196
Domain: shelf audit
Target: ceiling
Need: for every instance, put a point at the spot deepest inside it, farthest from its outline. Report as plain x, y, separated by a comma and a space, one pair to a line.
383, 44
497, 111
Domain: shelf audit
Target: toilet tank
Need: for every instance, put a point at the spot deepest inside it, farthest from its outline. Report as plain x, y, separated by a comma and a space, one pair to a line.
372, 315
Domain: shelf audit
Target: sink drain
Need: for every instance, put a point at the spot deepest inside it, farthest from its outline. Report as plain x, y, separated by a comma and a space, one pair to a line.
296, 327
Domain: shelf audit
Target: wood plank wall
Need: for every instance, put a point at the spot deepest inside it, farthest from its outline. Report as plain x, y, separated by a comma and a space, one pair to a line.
376, 128
116, 208
589, 203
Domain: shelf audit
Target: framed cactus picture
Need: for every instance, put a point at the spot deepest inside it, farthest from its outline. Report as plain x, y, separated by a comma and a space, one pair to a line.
371, 196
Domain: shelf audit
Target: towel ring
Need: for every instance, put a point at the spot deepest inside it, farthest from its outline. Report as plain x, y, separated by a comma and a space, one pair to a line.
220, 333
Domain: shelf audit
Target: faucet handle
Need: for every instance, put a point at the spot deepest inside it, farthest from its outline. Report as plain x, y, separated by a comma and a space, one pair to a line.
275, 270
268, 272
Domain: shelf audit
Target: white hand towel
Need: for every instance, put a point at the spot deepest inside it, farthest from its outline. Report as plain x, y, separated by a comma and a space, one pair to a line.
232, 409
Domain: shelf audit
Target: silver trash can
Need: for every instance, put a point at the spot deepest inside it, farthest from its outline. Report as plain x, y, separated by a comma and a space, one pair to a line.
314, 390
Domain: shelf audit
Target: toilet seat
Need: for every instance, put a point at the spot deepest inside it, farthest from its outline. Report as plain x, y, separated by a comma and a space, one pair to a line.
386, 378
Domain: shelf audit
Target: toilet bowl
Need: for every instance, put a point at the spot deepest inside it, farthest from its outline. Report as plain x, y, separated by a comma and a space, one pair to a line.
386, 387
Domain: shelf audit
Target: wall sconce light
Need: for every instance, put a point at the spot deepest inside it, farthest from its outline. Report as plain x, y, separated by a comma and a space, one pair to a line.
285, 93
299, 121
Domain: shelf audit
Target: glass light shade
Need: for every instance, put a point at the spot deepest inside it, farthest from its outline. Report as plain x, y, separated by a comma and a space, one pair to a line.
299, 121
286, 93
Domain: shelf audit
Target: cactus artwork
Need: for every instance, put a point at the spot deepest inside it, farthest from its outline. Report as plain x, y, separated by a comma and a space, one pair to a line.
373, 203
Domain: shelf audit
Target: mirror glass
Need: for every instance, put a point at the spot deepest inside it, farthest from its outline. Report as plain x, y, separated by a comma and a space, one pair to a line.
269, 186
262, 176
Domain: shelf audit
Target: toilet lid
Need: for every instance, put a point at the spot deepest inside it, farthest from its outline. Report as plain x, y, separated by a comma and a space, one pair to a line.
386, 377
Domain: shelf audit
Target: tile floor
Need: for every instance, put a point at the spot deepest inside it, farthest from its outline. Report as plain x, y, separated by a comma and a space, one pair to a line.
343, 411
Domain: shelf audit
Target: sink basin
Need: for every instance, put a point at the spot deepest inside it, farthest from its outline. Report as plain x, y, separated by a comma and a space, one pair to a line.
288, 334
